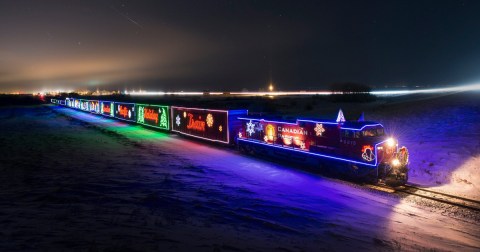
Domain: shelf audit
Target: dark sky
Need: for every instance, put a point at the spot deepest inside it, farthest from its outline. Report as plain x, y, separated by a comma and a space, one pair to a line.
231, 45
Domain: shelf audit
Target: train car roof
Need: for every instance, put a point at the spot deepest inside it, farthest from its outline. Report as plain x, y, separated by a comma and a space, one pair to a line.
354, 125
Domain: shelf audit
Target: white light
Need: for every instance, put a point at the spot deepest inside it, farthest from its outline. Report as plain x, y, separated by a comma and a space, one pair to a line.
474, 87
395, 162
391, 142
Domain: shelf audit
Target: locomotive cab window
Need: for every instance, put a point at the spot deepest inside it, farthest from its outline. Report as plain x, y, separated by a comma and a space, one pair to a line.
373, 132
350, 134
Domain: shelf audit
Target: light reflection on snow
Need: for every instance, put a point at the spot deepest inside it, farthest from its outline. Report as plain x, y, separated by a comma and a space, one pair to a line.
413, 228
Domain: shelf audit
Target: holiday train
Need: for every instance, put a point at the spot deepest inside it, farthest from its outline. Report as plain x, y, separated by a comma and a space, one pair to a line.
357, 150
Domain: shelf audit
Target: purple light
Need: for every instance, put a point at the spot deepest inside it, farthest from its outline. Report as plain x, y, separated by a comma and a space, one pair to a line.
317, 154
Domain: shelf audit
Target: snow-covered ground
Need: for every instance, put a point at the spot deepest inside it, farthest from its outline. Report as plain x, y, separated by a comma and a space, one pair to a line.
76, 181
441, 132
443, 138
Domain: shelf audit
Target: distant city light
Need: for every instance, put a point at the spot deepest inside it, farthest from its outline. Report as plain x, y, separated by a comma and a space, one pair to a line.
474, 87
271, 93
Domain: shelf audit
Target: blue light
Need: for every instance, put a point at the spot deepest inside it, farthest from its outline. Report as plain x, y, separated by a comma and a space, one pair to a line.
317, 154
368, 125
312, 121
263, 120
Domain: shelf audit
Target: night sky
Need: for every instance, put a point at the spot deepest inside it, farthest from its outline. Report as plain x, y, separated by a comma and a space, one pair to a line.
235, 45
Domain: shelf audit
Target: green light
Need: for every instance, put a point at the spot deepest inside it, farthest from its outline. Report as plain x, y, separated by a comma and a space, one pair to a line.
153, 116
163, 119
112, 109
140, 114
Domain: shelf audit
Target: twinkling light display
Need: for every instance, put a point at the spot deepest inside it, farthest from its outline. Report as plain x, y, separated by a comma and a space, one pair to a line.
209, 120
153, 115
178, 119
340, 117
125, 111
208, 124
250, 128
368, 153
319, 129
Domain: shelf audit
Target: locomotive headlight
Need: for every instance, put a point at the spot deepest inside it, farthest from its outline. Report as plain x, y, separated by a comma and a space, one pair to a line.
395, 162
391, 142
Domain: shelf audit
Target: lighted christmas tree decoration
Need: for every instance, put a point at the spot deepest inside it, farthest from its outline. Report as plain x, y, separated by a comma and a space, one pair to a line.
319, 129
250, 128
163, 119
141, 112
340, 117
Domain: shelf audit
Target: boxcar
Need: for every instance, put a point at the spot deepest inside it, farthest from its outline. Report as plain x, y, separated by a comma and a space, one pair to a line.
208, 124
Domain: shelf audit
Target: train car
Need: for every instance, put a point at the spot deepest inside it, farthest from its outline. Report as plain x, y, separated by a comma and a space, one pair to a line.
84, 105
107, 108
125, 111
69, 102
76, 103
359, 150
94, 106
207, 124
156, 116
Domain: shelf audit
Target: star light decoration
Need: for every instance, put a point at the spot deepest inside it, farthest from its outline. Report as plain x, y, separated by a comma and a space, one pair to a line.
250, 128
177, 120
319, 129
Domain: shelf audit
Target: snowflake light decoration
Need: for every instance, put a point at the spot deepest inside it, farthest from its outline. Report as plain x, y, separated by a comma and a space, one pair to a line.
210, 120
319, 129
250, 128
177, 120
220, 128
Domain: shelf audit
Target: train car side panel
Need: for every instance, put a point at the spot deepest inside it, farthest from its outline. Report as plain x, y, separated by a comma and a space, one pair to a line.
156, 116
125, 111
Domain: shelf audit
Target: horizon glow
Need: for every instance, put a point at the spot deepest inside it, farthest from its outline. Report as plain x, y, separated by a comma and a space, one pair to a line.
473, 87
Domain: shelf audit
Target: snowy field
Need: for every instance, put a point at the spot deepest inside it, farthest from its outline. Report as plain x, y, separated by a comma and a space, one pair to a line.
80, 182
441, 132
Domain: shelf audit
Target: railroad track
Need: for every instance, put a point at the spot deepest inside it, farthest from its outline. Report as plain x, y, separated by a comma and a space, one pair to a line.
431, 195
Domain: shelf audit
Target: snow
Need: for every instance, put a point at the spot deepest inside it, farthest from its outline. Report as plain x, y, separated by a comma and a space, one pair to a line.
441, 132
76, 181
442, 135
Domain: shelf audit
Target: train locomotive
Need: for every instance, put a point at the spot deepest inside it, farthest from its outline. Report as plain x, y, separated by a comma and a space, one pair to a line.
358, 150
